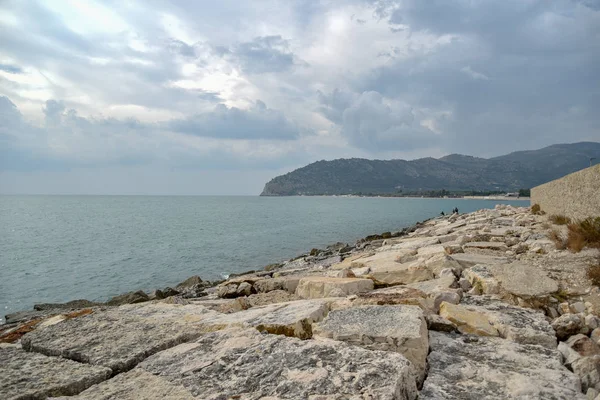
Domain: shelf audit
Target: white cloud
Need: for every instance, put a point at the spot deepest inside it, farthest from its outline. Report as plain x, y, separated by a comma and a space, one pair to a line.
279, 84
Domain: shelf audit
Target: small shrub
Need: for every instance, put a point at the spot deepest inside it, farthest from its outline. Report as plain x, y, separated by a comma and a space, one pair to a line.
560, 219
593, 272
536, 209
560, 243
584, 233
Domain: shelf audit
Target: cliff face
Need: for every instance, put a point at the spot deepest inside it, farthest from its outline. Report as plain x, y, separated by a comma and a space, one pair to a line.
511, 172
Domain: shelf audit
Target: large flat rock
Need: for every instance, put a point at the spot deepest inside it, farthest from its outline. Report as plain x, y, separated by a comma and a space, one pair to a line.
487, 368
26, 375
496, 246
486, 316
134, 385
383, 257
287, 283
519, 282
393, 295
246, 364
316, 287
294, 318
121, 337
391, 328
467, 260
394, 273
411, 243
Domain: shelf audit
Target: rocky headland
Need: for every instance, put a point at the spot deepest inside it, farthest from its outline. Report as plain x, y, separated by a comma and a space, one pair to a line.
472, 306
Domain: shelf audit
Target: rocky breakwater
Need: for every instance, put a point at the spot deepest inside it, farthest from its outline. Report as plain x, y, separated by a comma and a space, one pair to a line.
474, 306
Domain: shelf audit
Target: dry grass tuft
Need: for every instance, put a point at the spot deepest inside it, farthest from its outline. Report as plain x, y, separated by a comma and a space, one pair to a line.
536, 209
561, 244
560, 219
593, 272
584, 233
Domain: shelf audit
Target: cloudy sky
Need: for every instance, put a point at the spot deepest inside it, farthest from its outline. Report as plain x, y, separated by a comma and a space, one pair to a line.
207, 97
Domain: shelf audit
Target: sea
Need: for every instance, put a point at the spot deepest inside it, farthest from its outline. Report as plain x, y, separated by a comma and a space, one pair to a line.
61, 248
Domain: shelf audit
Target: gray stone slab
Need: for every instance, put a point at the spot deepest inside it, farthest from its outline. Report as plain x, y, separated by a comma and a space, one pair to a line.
251, 365
26, 375
519, 282
133, 385
121, 337
488, 368
294, 318
518, 324
467, 260
315, 287
398, 328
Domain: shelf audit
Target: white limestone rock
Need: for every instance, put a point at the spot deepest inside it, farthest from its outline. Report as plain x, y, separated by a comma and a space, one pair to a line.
315, 287
231, 363
402, 329
119, 338
26, 375
488, 368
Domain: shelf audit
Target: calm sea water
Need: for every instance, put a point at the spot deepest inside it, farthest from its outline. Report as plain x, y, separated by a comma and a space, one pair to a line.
60, 248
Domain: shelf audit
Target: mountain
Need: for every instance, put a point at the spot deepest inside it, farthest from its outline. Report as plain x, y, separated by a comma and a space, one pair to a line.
455, 172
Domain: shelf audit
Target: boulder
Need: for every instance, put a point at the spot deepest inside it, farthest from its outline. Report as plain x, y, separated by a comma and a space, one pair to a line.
256, 300
36, 376
391, 328
119, 337
441, 262
128, 298
230, 363
430, 251
439, 290
568, 325
467, 260
189, 282
383, 257
71, 305
595, 335
518, 324
347, 262
468, 321
134, 385
489, 368
588, 370
485, 316
227, 291
519, 283
496, 246
319, 287
412, 243
287, 283
243, 289
392, 295
294, 318
393, 273
439, 324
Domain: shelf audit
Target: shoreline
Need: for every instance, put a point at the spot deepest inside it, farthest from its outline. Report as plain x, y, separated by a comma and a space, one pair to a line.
141, 295
194, 286
404, 312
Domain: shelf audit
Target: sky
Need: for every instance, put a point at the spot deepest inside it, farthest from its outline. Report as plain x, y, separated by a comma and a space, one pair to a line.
205, 97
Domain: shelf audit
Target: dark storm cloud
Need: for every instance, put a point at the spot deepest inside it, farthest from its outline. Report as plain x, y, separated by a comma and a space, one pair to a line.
512, 73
